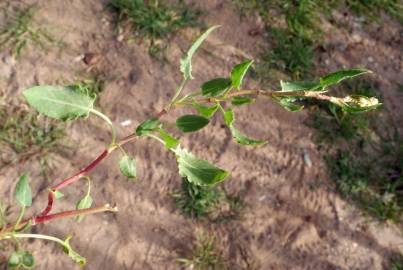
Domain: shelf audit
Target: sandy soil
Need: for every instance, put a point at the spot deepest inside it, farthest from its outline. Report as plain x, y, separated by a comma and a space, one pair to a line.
293, 218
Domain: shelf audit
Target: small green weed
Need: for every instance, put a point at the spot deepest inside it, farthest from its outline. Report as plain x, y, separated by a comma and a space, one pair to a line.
290, 53
397, 264
292, 46
19, 31
25, 134
205, 255
372, 8
197, 201
91, 87
368, 165
154, 21
201, 202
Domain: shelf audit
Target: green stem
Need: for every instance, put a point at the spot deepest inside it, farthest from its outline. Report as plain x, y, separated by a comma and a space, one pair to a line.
178, 92
21, 215
36, 236
104, 117
156, 138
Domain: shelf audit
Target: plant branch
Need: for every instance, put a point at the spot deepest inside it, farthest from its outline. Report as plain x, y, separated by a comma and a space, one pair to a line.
65, 214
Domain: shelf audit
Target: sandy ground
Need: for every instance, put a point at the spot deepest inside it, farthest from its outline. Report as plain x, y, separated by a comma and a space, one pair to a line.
293, 218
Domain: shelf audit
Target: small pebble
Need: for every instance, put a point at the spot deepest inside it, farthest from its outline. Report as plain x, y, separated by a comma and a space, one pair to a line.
125, 123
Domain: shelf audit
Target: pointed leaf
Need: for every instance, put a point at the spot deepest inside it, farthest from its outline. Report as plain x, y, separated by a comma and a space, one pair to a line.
241, 139
215, 87
229, 117
238, 73
23, 193
127, 166
58, 102
148, 126
73, 254
197, 171
207, 112
186, 63
238, 101
338, 76
191, 122
170, 141
299, 86
288, 104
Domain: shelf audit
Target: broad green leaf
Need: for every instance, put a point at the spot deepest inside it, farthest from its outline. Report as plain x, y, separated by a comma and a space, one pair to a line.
215, 87
59, 102
127, 166
197, 171
358, 103
186, 63
206, 111
288, 104
238, 101
23, 193
71, 253
338, 76
191, 122
238, 73
148, 126
241, 139
22, 259
229, 117
170, 141
299, 86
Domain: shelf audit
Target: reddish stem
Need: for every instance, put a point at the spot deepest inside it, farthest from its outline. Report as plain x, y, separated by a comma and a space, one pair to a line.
65, 214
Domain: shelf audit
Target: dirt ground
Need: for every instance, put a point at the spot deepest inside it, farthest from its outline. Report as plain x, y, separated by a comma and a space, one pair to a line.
293, 218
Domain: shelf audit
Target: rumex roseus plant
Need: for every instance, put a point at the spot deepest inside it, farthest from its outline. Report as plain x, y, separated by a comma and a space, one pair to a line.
216, 96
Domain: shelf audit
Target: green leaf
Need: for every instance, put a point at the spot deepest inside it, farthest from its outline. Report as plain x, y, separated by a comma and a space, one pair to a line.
207, 112
197, 171
238, 73
28, 260
229, 117
238, 101
71, 253
170, 141
57, 194
58, 102
358, 103
241, 139
186, 63
288, 103
148, 126
14, 261
338, 76
23, 193
191, 122
215, 87
299, 86
21, 259
127, 166
85, 202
